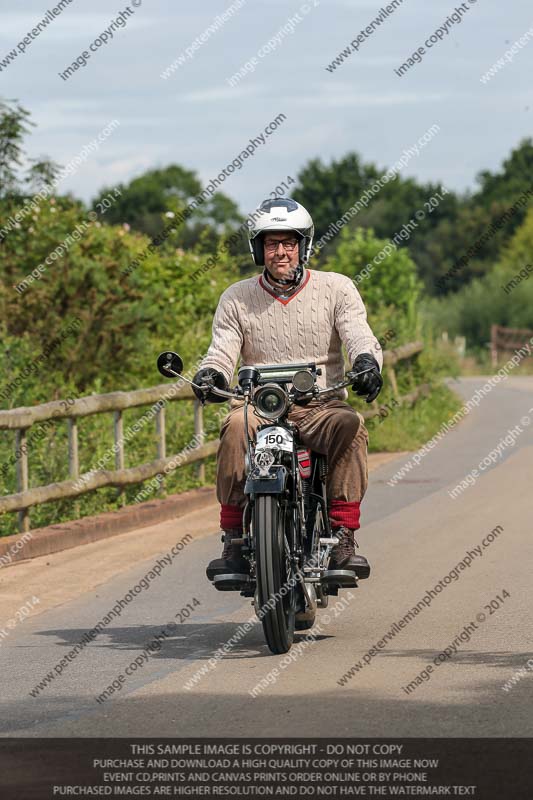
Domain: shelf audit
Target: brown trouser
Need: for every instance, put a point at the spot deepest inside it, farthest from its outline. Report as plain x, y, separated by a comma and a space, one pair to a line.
332, 428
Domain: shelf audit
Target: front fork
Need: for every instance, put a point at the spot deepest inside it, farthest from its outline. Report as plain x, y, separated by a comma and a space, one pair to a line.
294, 499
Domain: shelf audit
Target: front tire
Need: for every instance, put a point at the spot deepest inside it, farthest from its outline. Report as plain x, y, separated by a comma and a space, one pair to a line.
275, 589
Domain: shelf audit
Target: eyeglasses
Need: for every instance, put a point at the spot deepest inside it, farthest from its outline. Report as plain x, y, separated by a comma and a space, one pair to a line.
288, 244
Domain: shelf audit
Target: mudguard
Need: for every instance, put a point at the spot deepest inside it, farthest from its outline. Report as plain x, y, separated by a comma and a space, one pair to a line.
274, 483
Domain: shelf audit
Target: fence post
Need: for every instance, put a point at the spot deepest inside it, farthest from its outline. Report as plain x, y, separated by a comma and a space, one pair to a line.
494, 344
118, 429
73, 461
199, 433
393, 381
160, 426
22, 477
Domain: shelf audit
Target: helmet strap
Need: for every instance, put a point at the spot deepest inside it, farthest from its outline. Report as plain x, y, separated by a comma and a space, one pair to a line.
287, 282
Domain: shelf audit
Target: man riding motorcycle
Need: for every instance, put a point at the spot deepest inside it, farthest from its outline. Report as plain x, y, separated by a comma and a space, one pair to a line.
287, 314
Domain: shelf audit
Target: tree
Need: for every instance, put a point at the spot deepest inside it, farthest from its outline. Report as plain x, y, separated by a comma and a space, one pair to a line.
506, 186
503, 296
442, 234
145, 199
15, 124
328, 191
439, 259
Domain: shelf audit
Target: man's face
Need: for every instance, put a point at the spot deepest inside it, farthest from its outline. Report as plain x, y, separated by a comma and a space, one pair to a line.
282, 259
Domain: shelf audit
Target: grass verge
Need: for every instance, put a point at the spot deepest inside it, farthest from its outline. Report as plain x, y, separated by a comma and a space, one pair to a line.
409, 427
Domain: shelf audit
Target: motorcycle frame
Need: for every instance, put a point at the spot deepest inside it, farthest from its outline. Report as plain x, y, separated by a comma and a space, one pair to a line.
280, 481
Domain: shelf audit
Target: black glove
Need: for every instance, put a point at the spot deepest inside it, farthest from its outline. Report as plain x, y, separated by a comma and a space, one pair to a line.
213, 377
368, 383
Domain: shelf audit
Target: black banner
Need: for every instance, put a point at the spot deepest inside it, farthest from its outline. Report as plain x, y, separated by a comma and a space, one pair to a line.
485, 769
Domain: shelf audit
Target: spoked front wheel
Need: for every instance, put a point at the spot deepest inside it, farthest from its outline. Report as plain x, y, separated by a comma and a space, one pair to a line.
276, 584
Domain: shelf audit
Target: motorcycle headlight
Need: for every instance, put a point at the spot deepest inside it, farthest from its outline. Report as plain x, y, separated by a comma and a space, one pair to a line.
271, 401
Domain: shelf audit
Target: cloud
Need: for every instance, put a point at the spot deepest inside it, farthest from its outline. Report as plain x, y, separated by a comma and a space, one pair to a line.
77, 26
347, 96
221, 93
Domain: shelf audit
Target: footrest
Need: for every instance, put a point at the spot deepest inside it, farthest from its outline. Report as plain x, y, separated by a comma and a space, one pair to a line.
231, 582
344, 578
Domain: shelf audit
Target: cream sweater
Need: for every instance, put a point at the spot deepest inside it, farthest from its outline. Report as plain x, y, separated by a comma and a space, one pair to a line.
252, 323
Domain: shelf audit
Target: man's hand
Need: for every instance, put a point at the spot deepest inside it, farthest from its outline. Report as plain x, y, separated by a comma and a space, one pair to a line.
369, 383
212, 377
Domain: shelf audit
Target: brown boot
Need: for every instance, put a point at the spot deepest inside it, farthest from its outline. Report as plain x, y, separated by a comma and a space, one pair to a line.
232, 560
343, 554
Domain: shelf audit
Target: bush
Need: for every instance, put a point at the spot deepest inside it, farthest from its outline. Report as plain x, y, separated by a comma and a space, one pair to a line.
504, 296
122, 321
387, 281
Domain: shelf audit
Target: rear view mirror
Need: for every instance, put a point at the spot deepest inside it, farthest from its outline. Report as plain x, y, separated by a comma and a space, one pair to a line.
169, 364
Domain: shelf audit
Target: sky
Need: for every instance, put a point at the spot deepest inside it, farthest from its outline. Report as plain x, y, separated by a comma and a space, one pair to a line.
195, 118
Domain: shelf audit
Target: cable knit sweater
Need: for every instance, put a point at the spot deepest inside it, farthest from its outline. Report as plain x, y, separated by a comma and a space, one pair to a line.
252, 322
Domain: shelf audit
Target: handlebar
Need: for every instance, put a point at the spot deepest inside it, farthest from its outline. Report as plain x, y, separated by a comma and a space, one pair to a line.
237, 391
170, 365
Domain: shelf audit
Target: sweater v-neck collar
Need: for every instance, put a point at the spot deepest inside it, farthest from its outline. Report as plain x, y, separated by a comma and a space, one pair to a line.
285, 300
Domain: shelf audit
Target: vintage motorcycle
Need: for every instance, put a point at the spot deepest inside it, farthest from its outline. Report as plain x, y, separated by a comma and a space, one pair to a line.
287, 536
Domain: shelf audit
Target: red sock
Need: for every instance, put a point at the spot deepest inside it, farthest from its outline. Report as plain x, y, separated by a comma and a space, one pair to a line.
344, 512
230, 517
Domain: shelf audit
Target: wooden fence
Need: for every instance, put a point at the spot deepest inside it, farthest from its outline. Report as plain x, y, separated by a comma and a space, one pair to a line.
21, 420
507, 340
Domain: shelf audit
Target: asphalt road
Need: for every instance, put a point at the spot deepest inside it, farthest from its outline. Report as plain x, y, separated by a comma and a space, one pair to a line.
414, 534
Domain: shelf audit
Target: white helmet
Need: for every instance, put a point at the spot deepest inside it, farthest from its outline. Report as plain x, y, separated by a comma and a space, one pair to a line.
283, 214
